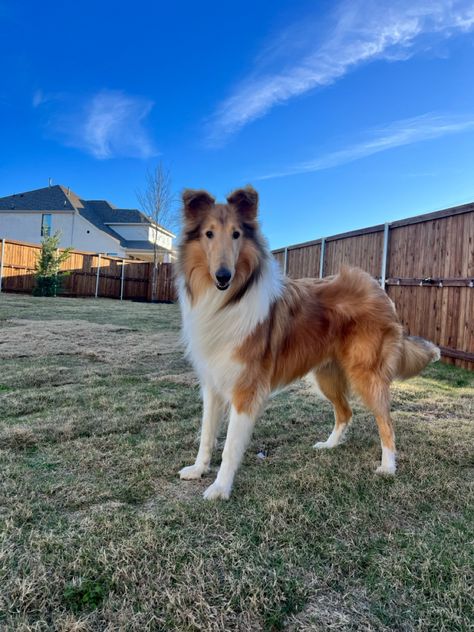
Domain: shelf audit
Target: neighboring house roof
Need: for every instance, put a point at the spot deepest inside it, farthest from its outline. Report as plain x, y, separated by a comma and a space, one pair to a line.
98, 212
109, 214
48, 199
136, 244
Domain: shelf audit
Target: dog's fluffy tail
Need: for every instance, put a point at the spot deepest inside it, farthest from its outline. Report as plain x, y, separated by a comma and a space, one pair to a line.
416, 354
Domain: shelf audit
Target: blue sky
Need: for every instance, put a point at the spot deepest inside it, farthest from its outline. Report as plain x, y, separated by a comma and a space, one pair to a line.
342, 114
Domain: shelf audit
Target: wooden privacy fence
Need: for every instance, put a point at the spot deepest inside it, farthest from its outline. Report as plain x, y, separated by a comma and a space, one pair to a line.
89, 274
425, 263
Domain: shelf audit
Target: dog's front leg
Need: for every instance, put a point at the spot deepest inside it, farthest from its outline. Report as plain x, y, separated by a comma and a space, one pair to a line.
212, 412
238, 435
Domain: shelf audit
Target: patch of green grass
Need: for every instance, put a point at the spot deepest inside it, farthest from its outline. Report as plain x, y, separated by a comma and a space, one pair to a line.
36, 461
97, 531
86, 594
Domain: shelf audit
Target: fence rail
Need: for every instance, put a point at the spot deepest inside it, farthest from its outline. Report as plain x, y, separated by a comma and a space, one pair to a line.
425, 263
89, 274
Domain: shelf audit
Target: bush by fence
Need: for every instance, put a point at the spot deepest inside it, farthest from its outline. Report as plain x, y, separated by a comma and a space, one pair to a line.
89, 274
425, 263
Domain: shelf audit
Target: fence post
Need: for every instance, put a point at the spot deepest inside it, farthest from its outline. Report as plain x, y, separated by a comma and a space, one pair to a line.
285, 262
383, 273
97, 278
321, 258
122, 279
1, 262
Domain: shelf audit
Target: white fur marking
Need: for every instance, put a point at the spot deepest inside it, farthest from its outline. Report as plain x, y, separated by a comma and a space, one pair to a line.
192, 472
335, 438
388, 465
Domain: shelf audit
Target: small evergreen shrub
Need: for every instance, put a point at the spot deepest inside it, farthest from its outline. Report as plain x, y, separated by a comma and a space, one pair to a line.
47, 274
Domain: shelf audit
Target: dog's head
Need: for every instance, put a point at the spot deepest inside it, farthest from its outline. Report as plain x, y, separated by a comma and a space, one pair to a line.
221, 244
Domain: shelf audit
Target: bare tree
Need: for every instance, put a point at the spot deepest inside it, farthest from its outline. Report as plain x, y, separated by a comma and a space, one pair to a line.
157, 201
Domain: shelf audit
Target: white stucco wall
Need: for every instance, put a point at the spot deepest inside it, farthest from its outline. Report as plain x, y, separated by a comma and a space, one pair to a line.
75, 231
87, 237
26, 226
161, 238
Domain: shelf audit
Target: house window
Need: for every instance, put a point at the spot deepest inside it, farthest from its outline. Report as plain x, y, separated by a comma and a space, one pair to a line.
46, 225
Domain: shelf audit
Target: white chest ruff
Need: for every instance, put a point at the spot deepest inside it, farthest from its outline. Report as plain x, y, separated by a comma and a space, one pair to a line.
212, 334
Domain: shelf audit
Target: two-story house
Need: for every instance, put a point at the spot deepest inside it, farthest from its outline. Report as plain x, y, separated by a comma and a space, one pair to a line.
88, 225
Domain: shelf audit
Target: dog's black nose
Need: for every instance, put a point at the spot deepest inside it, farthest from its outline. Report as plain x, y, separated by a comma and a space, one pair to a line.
223, 276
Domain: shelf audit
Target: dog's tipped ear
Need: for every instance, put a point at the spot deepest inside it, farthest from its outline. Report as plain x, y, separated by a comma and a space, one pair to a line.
245, 201
195, 201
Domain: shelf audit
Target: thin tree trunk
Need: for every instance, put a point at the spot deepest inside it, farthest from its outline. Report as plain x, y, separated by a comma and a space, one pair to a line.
154, 296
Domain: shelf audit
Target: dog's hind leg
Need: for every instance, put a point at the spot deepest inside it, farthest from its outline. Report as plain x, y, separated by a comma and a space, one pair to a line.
375, 393
213, 408
333, 385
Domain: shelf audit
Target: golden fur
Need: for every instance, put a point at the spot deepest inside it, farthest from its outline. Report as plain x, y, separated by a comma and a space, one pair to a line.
342, 329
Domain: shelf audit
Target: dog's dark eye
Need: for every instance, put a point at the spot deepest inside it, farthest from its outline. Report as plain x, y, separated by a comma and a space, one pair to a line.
235, 234
209, 234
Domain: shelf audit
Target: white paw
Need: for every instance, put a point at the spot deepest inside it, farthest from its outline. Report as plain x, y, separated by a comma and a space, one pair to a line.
216, 491
335, 438
322, 445
388, 464
192, 472
386, 470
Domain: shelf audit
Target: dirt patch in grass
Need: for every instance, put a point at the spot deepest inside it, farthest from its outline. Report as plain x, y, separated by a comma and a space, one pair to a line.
99, 411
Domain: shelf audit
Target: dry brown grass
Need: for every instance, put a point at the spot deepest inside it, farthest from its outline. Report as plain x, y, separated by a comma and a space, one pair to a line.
98, 412
105, 343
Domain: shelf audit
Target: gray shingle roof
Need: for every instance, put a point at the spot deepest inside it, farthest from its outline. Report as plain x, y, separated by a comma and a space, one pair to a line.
135, 244
47, 199
111, 214
97, 212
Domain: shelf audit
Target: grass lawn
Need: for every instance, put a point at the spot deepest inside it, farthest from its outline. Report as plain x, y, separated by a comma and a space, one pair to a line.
99, 411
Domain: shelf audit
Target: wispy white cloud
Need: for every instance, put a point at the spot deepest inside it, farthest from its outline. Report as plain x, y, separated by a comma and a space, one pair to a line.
110, 124
397, 134
309, 55
39, 98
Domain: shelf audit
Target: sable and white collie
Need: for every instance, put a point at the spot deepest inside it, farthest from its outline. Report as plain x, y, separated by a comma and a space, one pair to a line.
250, 331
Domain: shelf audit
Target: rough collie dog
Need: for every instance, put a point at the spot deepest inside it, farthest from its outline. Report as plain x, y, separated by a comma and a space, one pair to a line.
250, 331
